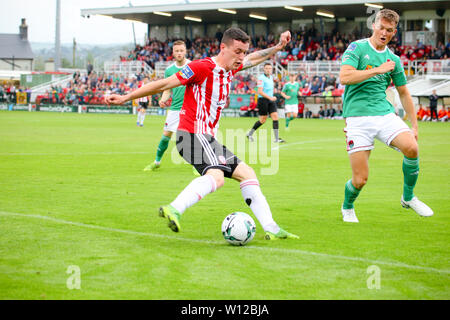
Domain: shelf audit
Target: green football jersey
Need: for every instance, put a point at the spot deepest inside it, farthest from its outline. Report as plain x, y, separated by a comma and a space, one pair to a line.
178, 92
291, 90
368, 98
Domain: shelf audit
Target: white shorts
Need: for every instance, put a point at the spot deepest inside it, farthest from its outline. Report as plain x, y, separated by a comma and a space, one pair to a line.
172, 121
360, 132
291, 108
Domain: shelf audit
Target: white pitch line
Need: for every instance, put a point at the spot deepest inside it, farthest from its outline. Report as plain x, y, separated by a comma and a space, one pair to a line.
250, 247
73, 153
304, 142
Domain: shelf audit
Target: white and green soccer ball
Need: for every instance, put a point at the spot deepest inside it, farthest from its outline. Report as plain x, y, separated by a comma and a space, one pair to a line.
238, 228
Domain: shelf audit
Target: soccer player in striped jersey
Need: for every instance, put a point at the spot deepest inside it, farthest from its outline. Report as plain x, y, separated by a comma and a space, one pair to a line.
177, 95
143, 105
207, 84
368, 67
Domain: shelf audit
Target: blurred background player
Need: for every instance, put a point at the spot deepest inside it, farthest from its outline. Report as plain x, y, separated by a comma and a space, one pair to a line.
290, 92
177, 95
368, 67
266, 103
206, 94
143, 105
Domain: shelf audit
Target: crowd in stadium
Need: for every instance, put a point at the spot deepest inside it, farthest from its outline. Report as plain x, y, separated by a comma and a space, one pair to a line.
307, 45
90, 89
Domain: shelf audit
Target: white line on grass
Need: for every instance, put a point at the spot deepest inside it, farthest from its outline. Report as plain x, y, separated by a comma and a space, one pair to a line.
72, 153
212, 242
284, 145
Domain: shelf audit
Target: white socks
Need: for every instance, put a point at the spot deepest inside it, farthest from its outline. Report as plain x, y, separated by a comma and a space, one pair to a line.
141, 118
194, 192
258, 204
251, 192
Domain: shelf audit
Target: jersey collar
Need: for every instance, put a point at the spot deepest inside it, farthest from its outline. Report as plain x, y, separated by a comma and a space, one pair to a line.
379, 51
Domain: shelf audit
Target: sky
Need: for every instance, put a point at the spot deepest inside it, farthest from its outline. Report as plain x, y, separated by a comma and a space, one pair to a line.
40, 16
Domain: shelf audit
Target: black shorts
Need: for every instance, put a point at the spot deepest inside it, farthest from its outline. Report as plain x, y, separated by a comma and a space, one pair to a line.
265, 106
143, 105
204, 152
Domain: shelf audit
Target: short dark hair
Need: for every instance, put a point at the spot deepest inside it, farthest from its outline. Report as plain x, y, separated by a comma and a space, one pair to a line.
235, 34
268, 64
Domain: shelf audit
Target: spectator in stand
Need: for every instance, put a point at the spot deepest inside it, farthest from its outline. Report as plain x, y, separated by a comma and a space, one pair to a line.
323, 84
433, 105
328, 95
306, 91
315, 87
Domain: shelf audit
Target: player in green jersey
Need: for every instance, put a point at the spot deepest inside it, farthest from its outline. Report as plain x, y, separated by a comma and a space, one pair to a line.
290, 93
177, 95
368, 67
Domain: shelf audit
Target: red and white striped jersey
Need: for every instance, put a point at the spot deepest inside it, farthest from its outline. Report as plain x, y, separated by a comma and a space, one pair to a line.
207, 91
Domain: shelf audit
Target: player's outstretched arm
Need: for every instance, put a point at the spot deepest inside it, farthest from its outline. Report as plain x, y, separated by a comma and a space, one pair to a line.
149, 89
349, 74
257, 57
408, 105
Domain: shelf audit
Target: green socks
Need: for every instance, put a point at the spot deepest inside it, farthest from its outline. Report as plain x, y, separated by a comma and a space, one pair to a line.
288, 120
162, 147
351, 193
410, 175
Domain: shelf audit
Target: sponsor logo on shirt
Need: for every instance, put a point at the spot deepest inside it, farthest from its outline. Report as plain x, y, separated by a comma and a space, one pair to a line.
366, 57
186, 72
352, 47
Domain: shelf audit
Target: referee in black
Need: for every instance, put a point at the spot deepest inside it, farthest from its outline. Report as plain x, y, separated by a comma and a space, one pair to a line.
266, 103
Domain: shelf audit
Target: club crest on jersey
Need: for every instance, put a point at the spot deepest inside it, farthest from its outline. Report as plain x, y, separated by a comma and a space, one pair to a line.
186, 72
351, 144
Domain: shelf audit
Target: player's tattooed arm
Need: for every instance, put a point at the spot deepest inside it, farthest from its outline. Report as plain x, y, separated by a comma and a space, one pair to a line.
257, 57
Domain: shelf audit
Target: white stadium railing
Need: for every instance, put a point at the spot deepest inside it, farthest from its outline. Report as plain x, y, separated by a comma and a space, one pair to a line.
314, 67
127, 68
161, 66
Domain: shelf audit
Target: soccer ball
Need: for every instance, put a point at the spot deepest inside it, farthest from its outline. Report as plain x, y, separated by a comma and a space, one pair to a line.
238, 228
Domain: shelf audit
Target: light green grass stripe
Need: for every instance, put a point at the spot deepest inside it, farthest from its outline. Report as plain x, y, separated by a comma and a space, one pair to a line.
250, 247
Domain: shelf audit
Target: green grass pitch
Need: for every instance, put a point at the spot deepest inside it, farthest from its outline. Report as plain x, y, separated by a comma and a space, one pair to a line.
73, 193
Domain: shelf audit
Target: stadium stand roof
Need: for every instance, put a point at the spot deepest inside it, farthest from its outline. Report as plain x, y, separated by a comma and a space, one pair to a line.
11, 45
275, 11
